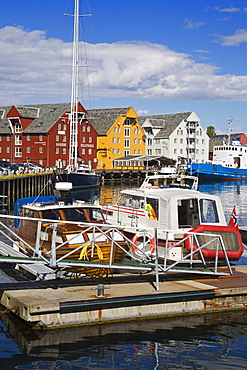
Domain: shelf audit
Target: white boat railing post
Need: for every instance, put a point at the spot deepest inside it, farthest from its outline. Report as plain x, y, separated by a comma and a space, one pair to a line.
53, 246
37, 244
156, 259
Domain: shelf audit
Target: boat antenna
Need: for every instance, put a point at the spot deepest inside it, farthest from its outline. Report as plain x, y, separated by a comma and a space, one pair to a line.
73, 140
229, 130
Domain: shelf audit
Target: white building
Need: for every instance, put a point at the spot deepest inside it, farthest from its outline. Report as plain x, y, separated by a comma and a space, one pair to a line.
176, 135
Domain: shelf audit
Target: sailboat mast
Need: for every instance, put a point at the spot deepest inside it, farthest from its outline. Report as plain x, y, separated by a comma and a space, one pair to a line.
73, 149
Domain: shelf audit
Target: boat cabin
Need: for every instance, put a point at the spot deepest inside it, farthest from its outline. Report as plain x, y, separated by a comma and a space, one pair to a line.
168, 209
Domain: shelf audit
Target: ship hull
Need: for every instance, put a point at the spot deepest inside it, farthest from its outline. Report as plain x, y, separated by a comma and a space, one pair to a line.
216, 172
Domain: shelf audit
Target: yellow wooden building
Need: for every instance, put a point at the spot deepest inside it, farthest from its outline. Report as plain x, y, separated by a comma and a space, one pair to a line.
119, 134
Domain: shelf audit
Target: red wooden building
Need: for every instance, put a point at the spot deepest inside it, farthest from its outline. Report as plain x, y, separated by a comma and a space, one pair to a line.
40, 133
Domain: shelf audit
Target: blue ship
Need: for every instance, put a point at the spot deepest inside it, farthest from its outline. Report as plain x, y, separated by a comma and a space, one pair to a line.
229, 163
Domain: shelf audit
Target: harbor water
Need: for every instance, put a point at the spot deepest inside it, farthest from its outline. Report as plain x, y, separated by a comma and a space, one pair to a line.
191, 342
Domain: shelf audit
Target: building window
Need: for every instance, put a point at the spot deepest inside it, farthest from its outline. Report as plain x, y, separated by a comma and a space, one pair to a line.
83, 128
181, 151
175, 151
88, 128
64, 127
181, 141
157, 141
0, 138
139, 151
203, 141
157, 151
118, 140
90, 139
28, 138
83, 139
135, 140
118, 152
59, 126
63, 150
40, 137
18, 127
18, 152
64, 138
18, 140
113, 140
56, 150
134, 151
126, 143
139, 141
57, 137
28, 149
83, 151
126, 132
126, 153
0, 149
90, 151
113, 151
127, 122
41, 149
175, 140
8, 149
8, 138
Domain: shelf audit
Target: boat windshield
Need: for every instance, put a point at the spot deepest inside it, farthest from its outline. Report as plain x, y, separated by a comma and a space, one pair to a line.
208, 211
84, 215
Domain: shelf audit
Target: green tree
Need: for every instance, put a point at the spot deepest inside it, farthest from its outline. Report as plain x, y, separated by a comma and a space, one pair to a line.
211, 131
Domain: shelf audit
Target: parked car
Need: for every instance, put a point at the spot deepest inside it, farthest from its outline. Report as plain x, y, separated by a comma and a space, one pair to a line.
33, 166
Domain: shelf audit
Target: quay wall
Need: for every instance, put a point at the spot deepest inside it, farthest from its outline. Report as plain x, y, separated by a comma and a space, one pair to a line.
24, 185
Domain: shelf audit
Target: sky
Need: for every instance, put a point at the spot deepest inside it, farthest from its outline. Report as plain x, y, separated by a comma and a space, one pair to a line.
159, 56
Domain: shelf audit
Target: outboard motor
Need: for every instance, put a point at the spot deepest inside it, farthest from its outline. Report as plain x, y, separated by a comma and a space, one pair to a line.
62, 192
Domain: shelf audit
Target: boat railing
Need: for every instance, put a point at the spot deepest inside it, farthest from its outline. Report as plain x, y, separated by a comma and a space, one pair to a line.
155, 260
192, 255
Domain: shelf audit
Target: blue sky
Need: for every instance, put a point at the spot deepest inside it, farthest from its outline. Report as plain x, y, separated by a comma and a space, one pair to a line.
160, 56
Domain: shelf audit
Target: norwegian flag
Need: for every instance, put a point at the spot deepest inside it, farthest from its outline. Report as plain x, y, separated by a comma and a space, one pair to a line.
233, 219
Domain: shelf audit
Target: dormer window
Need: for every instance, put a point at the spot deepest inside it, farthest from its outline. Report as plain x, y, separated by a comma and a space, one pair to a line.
16, 124
2, 113
128, 121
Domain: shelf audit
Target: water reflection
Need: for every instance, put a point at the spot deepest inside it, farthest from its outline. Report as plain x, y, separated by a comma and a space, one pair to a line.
231, 193
199, 342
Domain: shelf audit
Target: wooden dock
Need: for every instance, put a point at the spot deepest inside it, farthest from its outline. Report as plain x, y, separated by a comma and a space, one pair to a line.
68, 303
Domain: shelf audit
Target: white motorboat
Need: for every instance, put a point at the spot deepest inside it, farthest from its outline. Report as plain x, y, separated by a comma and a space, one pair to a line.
183, 218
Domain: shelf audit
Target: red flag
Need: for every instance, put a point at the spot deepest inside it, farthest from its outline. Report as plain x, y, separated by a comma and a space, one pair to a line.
233, 219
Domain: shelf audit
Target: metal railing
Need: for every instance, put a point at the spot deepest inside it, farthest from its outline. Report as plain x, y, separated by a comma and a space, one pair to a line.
136, 257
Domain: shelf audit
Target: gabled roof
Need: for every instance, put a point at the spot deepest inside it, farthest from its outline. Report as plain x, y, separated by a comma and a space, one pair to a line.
170, 122
4, 122
103, 119
45, 115
48, 115
217, 140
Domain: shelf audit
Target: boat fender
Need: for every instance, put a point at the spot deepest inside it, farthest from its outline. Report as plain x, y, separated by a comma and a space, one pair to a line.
149, 239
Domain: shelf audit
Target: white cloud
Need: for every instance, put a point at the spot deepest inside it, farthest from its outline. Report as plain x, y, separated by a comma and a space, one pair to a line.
193, 25
30, 72
238, 37
231, 9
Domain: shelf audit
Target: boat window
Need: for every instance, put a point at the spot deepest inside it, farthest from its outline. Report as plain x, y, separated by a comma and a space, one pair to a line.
30, 213
95, 214
73, 214
51, 214
131, 201
152, 208
188, 215
209, 212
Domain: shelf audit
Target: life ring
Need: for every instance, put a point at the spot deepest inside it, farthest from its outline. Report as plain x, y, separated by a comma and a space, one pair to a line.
149, 238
